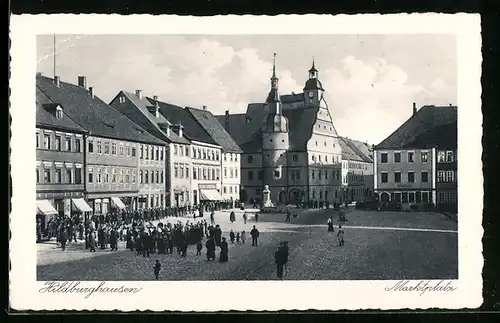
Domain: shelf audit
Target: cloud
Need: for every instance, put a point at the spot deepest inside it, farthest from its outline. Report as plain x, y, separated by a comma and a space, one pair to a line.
368, 99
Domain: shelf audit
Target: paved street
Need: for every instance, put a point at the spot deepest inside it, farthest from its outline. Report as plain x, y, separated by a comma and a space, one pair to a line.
379, 245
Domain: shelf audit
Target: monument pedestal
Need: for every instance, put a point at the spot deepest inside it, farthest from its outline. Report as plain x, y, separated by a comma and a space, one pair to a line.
266, 197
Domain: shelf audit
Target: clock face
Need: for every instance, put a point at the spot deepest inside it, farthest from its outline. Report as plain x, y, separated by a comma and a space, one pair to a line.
311, 94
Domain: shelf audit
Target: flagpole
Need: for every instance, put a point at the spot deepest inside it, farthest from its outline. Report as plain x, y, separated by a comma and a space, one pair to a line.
54, 55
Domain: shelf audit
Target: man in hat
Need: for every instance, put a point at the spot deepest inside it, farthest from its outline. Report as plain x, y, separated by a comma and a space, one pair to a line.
255, 235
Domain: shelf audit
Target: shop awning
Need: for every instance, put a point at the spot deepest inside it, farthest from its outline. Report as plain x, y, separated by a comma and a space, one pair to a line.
210, 195
45, 207
118, 203
81, 205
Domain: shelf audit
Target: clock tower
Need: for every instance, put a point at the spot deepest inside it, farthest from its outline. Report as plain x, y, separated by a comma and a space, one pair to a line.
313, 90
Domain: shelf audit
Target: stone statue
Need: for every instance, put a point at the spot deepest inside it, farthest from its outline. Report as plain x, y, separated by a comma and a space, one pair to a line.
266, 197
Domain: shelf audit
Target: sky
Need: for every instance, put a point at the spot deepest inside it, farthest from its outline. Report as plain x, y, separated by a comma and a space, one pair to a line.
370, 81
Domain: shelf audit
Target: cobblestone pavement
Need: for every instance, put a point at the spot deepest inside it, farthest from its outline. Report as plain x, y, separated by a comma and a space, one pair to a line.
389, 252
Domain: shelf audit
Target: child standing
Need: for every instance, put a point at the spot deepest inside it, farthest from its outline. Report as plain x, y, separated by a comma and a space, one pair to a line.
157, 269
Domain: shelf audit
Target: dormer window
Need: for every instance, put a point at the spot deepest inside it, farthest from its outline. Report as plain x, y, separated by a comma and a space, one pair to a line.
59, 112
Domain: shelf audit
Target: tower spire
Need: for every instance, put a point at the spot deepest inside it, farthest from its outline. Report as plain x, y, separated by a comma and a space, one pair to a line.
274, 67
273, 94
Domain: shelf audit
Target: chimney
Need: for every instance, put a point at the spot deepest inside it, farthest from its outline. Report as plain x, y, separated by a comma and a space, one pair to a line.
181, 128
414, 108
82, 81
451, 105
138, 93
226, 121
167, 130
204, 108
39, 74
57, 80
155, 98
91, 91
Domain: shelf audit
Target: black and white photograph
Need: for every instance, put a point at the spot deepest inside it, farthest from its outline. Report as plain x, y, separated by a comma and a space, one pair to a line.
175, 157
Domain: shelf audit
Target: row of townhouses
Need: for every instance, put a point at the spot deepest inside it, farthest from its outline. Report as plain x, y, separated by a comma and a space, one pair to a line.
290, 144
417, 163
135, 152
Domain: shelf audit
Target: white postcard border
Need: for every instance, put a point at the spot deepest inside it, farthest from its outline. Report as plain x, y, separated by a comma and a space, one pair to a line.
256, 295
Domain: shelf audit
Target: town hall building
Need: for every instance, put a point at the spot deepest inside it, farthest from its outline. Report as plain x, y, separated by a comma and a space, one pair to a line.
290, 144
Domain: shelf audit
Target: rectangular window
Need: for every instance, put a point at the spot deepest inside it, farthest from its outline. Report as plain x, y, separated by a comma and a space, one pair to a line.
181, 150
99, 176
425, 177
260, 175
441, 156
133, 176
106, 175
424, 157
78, 145
411, 177
58, 175
411, 197
78, 175
213, 173
397, 157
231, 174
161, 177
46, 175
68, 143
141, 152
146, 177
411, 157
37, 176
133, 151
113, 148
161, 154
37, 140
187, 172
176, 171
292, 175
127, 176
113, 177
217, 174
224, 189
99, 146
397, 177
425, 197
127, 150
58, 143
106, 148
204, 173
449, 156
140, 177
450, 176
441, 197
384, 177
146, 152
182, 171
450, 197
186, 151
91, 146
383, 158
225, 172
122, 149
176, 148
194, 173
319, 174
440, 176
69, 176
250, 159
312, 174
236, 173
250, 175
122, 179
46, 142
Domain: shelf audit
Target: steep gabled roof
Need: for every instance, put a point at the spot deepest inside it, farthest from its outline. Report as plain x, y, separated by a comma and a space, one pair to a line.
440, 137
347, 152
137, 109
178, 115
45, 118
363, 150
426, 118
212, 126
92, 113
301, 124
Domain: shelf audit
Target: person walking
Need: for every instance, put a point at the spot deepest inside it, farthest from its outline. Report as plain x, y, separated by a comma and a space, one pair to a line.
245, 217
212, 217
243, 236
232, 236
255, 235
210, 245
340, 236
156, 269
224, 251
279, 260
330, 225
288, 214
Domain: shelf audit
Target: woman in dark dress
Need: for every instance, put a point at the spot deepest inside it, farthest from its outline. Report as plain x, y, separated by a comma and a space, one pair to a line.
210, 245
330, 225
224, 251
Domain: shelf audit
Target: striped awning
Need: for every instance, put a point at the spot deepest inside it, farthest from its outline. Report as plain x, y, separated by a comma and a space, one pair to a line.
45, 207
81, 205
210, 195
118, 202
